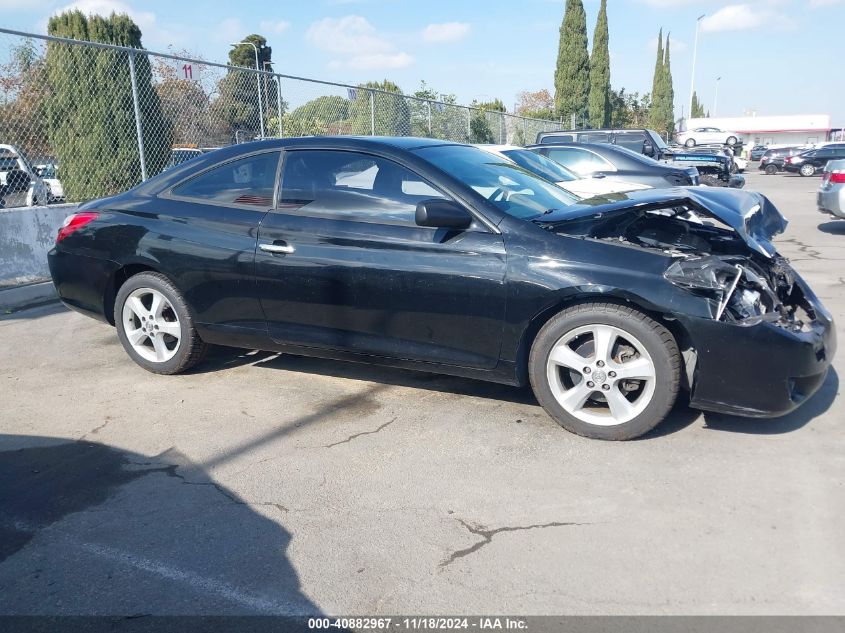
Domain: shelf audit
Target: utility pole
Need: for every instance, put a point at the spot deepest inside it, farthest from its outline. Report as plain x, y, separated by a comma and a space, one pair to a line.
694, 56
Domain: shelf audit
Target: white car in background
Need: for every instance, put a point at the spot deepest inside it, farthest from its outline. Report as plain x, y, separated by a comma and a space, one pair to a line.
704, 135
49, 172
20, 185
560, 175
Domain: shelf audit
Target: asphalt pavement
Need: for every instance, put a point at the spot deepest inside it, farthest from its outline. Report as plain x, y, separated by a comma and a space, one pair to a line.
264, 484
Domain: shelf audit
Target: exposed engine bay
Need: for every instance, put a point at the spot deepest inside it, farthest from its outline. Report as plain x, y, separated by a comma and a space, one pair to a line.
710, 259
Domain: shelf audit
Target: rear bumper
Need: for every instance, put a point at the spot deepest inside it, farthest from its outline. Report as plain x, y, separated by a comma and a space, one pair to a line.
761, 370
83, 283
832, 201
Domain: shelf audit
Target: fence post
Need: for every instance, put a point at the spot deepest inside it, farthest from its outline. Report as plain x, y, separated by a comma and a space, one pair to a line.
136, 105
372, 113
502, 129
279, 103
469, 124
428, 107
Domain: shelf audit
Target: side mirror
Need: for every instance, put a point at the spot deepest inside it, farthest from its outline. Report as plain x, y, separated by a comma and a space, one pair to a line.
648, 148
443, 214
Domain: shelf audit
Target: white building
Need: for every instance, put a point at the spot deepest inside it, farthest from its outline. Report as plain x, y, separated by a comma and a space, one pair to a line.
796, 129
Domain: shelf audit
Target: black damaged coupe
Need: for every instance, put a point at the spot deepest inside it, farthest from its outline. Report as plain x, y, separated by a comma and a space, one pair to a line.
436, 256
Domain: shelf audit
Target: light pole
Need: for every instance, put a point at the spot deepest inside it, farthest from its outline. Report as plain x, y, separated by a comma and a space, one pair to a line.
716, 95
694, 55
257, 84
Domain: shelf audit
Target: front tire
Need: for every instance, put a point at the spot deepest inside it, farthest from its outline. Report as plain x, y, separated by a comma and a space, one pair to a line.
731, 141
690, 142
807, 169
605, 371
771, 169
156, 326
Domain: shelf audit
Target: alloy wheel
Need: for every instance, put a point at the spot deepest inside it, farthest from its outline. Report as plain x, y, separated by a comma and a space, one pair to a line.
151, 325
601, 374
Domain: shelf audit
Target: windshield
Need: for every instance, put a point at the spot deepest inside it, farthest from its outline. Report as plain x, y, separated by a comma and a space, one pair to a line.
512, 189
540, 165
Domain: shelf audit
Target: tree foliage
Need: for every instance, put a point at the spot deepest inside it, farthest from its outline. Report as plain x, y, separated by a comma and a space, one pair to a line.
628, 109
186, 107
237, 100
599, 102
437, 115
572, 73
392, 115
323, 115
697, 110
661, 116
536, 105
23, 112
487, 124
90, 114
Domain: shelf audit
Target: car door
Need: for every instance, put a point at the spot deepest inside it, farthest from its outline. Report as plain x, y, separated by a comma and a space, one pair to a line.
342, 265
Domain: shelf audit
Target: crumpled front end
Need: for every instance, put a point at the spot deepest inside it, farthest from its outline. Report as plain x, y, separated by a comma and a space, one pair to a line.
759, 341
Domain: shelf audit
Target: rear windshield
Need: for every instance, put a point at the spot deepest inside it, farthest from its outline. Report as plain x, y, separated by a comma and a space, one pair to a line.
540, 165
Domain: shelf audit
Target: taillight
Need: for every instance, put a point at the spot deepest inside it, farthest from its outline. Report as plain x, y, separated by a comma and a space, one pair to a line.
838, 177
74, 222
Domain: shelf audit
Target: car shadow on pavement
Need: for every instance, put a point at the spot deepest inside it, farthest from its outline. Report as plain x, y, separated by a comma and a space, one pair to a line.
818, 404
87, 528
34, 312
835, 227
225, 358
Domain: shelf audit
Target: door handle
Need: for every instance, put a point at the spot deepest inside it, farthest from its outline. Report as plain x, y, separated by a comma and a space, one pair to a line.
277, 249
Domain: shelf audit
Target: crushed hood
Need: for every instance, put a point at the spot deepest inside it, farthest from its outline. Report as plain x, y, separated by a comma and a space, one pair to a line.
751, 214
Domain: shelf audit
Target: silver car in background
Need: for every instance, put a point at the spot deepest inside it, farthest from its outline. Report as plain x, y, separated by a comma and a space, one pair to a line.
831, 196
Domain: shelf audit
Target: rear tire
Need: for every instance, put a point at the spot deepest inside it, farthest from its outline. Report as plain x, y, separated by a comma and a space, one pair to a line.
807, 169
605, 371
771, 169
690, 142
156, 326
731, 141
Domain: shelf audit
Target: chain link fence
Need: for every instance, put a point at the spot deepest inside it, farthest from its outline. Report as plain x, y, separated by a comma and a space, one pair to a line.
81, 120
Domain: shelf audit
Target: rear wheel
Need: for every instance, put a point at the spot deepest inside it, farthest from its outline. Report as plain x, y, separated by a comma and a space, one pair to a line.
807, 169
690, 142
731, 141
605, 371
771, 169
155, 325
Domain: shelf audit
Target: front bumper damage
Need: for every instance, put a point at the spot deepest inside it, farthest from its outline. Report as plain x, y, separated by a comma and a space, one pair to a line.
759, 370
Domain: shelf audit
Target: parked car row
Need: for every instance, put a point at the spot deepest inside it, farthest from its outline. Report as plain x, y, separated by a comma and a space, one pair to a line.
800, 160
20, 183
714, 169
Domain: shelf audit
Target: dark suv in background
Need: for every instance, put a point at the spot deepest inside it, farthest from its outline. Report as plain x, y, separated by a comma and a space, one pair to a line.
646, 142
600, 160
815, 160
772, 160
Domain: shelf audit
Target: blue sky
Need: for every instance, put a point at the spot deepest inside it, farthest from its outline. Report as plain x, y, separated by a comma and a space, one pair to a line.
774, 56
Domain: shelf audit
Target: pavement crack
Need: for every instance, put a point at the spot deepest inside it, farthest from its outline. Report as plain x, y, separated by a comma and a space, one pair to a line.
170, 471
97, 429
352, 437
805, 248
487, 536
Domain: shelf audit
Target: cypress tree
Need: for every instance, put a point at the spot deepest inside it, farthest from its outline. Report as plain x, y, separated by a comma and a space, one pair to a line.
668, 109
90, 110
572, 74
600, 72
658, 67
697, 110
658, 92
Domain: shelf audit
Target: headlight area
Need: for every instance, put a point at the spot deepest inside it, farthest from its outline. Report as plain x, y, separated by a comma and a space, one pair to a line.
743, 292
